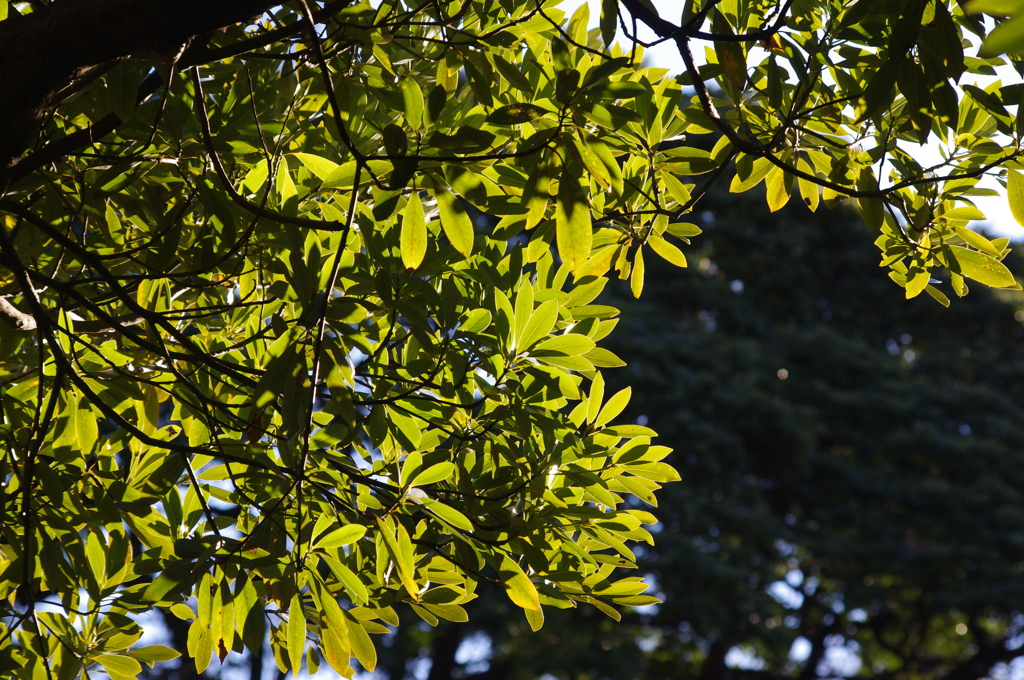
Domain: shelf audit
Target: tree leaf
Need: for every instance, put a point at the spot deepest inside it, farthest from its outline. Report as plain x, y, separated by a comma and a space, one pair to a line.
433, 474
570, 344
454, 219
667, 251
981, 267
613, 407
414, 233
154, 654
120, 665
334, 637
777, 189
341, 536
412, 98
318, 165
362, 646
609, 21
636, 278
518, 586
538, 326
572, 222
1015, 193
296, 631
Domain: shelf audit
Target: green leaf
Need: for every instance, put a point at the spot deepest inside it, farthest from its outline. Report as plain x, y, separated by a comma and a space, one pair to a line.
1015, 194
613, 407
341, 536
454, 219
296, 633
448, 514
120, 665
512, 74
777, 189
362, 646
250, 620
515, 114
749, 175
123, 88
353, 586
977, 240
539, 325
400, 547
433, 474
518, 586
154, 654
334, 637
396, 143
476, 321
981, 267
535, 618
963, 213
1007, 37
412, 98
917, 280
609, 21
466, 139
636, 278
414, 233
571, 344
667, 251
318, 165
574, 232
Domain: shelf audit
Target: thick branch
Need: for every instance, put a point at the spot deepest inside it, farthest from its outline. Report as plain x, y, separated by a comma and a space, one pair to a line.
44, 52
15, 318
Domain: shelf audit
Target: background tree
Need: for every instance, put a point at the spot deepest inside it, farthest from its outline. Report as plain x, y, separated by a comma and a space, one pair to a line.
850, 476
261, 371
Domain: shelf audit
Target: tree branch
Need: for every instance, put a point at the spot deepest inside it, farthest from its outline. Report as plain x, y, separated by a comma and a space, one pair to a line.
35, 67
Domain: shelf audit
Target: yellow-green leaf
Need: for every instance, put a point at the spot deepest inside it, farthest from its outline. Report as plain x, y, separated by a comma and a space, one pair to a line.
362, 645
777, 189
573, 230
414, 233
334, 636
636, 278
535, 618
400, 548
454, 220
118, 664
1015, 194
154, 654
977, 240
982, 268
412, 98
433, 474
448, 514
917, 279
809, 191
296, 633
667, 251
341, 536
613, 407
318, 165
518, 586
749, 175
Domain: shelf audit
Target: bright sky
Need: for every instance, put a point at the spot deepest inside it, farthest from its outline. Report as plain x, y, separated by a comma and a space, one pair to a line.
1000, 221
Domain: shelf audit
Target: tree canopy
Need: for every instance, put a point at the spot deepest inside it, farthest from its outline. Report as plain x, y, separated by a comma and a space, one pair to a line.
850, 500
300, 299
